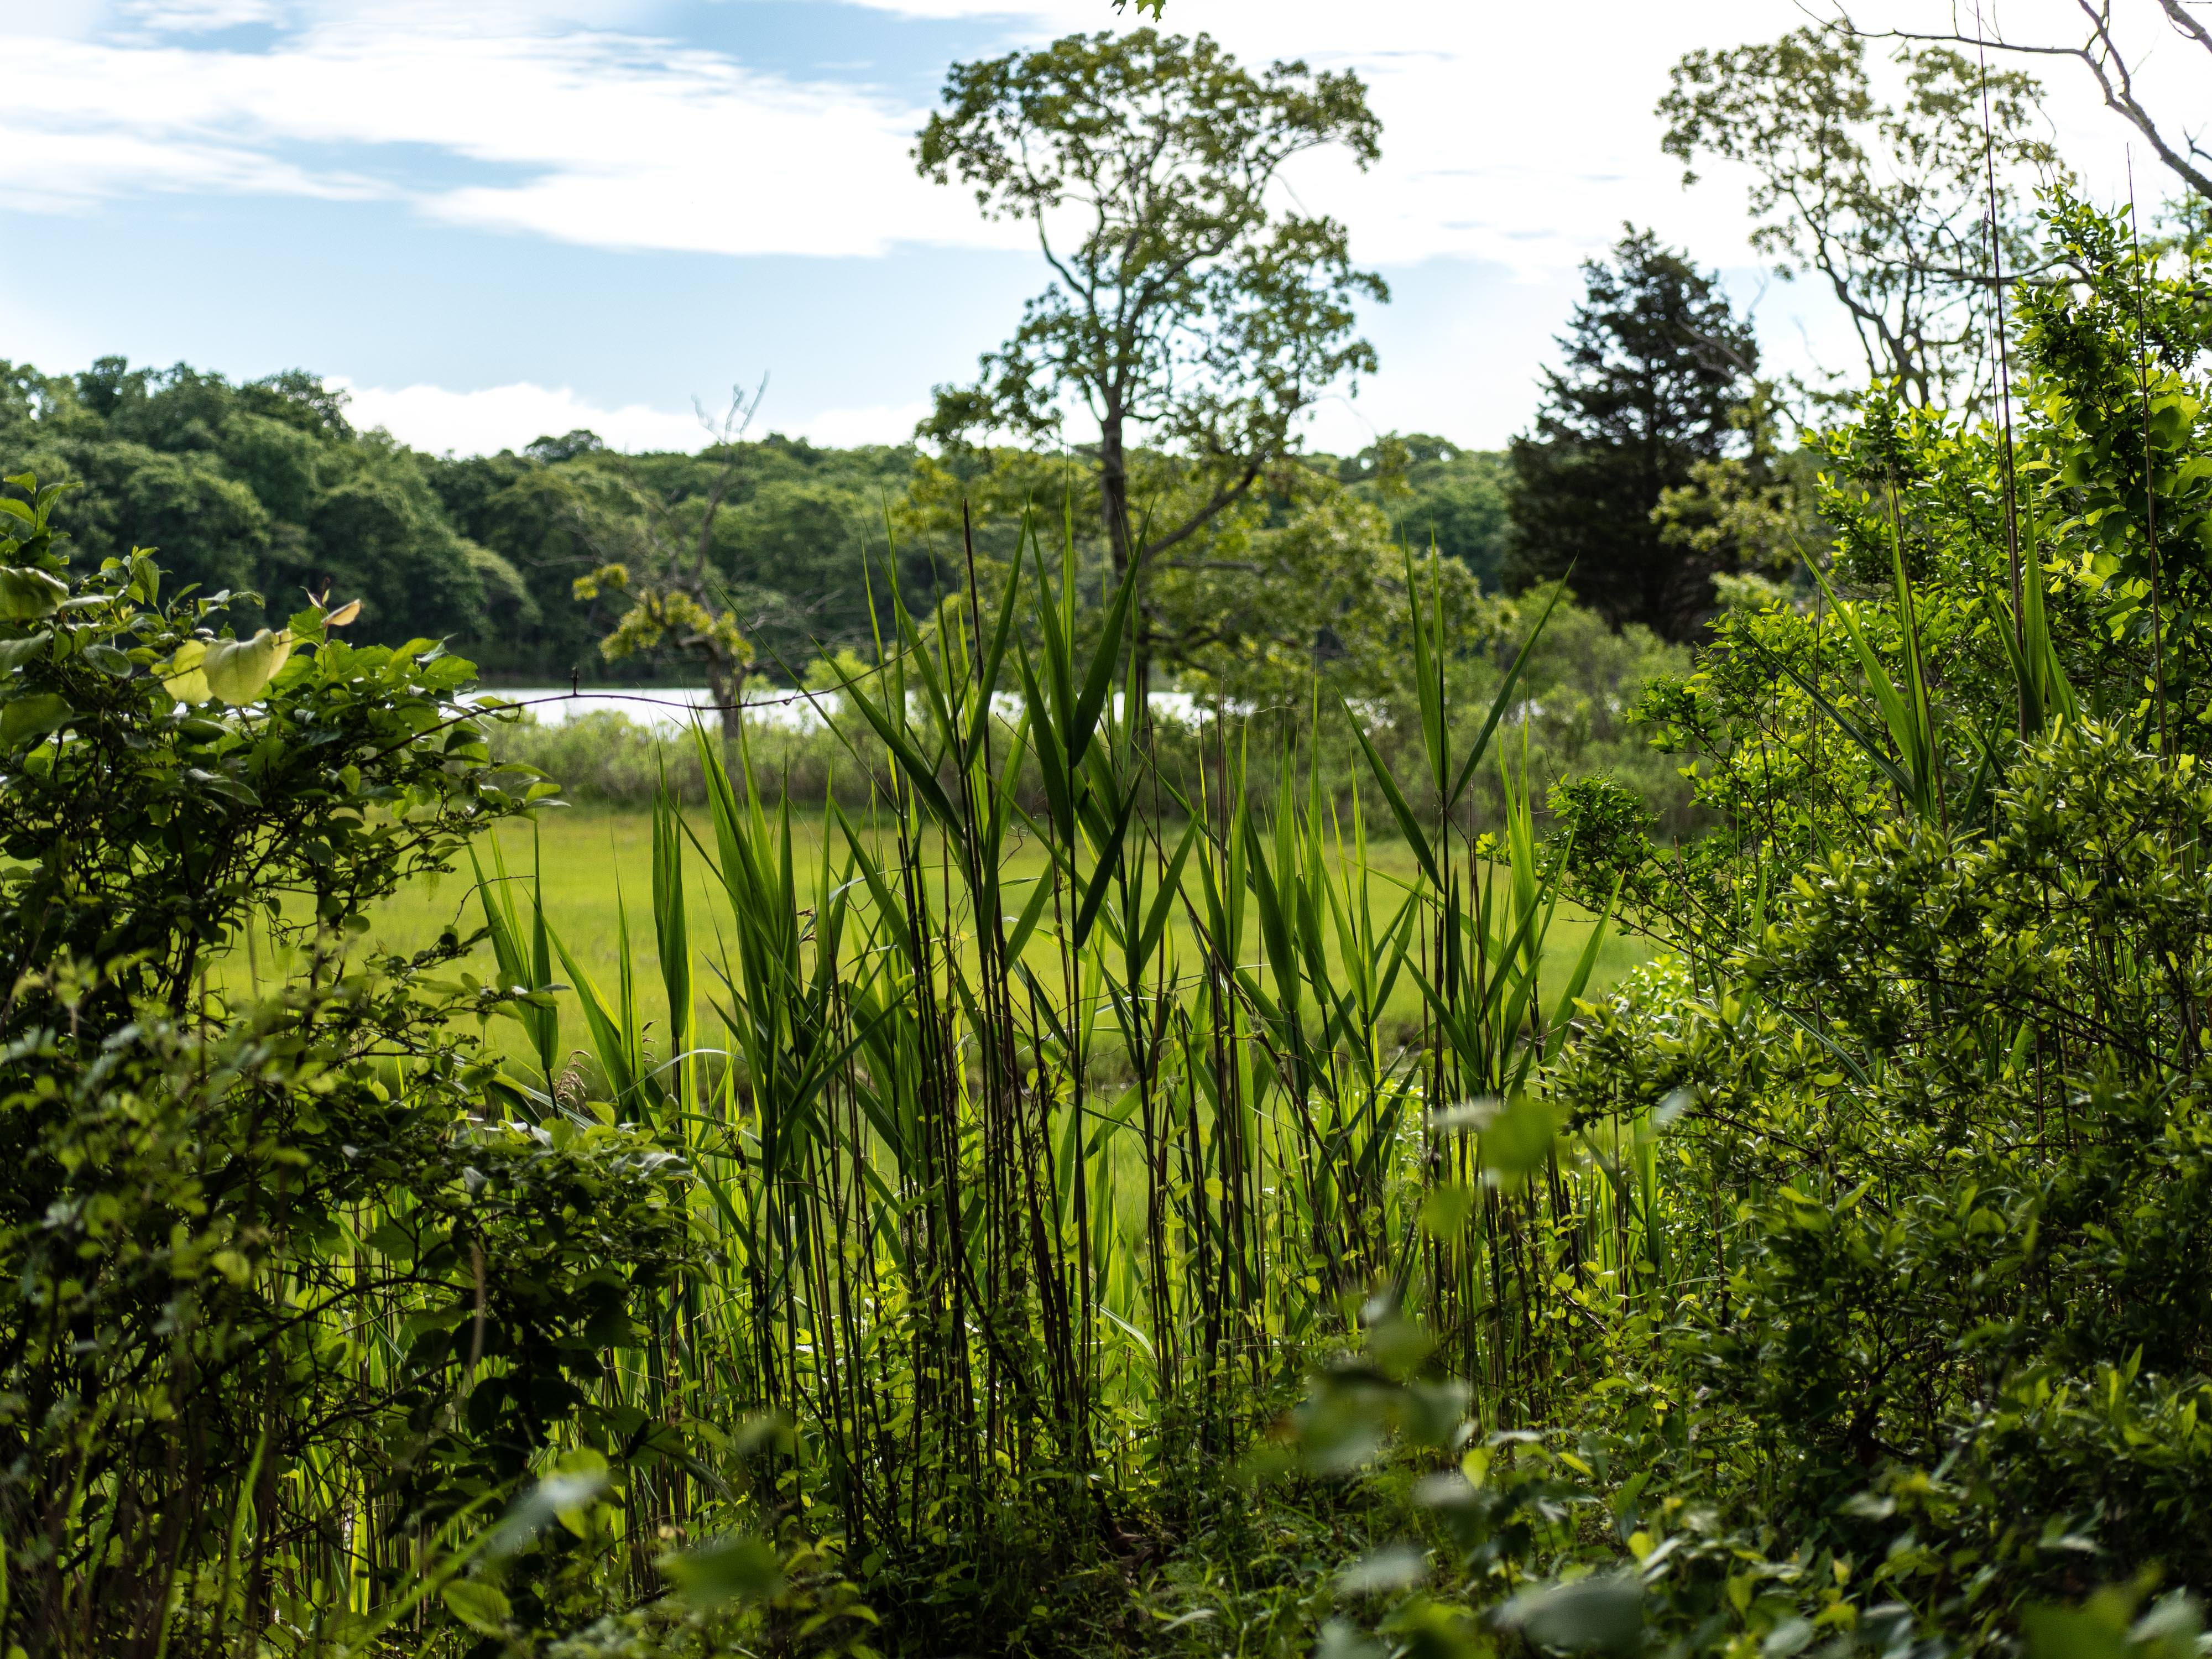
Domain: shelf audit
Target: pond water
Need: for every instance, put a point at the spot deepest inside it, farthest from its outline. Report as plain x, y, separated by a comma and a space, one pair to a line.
675, 706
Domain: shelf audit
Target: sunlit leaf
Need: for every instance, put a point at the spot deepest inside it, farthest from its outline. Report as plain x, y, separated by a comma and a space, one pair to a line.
186, 681
239, 671
26, 595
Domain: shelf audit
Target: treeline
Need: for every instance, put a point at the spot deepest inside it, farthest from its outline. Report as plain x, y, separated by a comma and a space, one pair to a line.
1655, 464
267, 486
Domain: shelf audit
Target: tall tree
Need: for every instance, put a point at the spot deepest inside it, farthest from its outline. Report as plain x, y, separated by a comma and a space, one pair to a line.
1187, 310
661, 562
1656, 363
2114, 40
1891, 203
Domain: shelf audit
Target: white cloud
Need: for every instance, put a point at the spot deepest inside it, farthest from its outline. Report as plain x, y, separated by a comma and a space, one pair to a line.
483, 422
1516, 134
877, 423
611, 139
1506, 137
1524, 135
70, 172
194, 17
437, 420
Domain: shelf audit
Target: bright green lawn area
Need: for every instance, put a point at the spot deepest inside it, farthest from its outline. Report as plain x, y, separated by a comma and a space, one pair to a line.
597, 863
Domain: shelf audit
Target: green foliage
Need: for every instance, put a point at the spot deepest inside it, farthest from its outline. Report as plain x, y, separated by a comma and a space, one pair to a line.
1656, 363
1438, 494
1033, 1224
1185, 307
261, 488
1883, 1191
792, 534
289, 1296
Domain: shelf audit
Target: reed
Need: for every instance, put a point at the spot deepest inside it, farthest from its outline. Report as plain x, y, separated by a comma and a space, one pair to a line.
1021, 1197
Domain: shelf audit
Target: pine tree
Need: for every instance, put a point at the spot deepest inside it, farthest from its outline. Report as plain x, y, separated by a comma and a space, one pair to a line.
1655, 361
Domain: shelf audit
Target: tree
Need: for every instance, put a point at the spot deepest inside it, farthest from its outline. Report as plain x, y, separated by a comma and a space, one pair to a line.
1890, 202
1437, 493
1656, 363
2113, 61
1319, 600
796, 554
661, 562
1186, 311
263, 488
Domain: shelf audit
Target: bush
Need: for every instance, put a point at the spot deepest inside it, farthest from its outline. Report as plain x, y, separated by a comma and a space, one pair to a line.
288, 1293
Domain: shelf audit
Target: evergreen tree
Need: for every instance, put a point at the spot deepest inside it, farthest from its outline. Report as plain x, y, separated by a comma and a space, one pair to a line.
1656, 363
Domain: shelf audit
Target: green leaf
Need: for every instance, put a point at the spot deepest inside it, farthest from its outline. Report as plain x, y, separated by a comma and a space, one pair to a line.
1499, 704
14, 654
186, 681
34, 717
108, 661
2096, 1630
1603, 1613
26, 595
239, 671
1393, 1567
1445, 1210
733, 1569
1093, 701
1103, 871
482, 1607
1400, 809
1516, 1135
1026, 923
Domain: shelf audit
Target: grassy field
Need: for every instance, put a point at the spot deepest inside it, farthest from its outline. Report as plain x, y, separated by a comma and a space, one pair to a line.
597, 866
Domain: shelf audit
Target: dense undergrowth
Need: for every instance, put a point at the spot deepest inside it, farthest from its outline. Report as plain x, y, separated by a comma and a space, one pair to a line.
1835, 1284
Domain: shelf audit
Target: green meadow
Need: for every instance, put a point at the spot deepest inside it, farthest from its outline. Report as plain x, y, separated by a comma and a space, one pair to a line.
593, 867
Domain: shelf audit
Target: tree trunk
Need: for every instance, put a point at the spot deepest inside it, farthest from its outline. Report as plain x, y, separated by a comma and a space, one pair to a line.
725, 684
1114, 504
1114, 490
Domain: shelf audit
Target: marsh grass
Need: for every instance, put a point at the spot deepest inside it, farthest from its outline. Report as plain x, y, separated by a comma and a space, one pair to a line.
597, 867
1053, 1110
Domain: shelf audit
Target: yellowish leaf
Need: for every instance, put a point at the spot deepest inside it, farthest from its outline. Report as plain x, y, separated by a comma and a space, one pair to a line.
239, 671
184, 681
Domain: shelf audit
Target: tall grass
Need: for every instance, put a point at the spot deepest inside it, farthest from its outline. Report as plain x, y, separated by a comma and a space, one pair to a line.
1024, 1197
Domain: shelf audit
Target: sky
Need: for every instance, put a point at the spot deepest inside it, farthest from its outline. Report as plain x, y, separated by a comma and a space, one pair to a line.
521, 217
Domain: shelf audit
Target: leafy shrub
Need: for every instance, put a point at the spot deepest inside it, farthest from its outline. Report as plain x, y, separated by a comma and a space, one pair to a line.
288, 1295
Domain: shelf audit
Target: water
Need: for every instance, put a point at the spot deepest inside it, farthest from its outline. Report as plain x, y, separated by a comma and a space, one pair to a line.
672, 707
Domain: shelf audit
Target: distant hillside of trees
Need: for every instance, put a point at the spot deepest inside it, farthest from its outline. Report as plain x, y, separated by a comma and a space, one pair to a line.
268, 486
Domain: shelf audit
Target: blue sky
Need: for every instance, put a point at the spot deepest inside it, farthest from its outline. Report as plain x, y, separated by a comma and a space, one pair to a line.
520, 217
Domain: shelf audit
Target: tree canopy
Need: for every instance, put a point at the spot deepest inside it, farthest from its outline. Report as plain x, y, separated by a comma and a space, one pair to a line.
1187, 307
1890, 202
1655, 364
264, 486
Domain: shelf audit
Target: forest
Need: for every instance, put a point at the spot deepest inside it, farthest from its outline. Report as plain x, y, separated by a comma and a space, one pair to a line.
267, 489
1203, 1049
